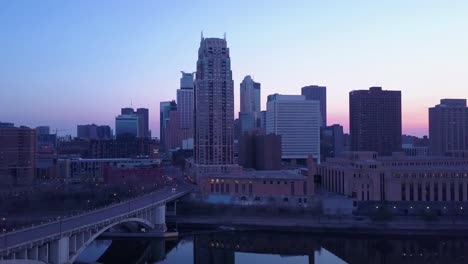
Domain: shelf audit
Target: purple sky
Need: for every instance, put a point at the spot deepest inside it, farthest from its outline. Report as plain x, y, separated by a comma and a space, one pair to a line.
65, 63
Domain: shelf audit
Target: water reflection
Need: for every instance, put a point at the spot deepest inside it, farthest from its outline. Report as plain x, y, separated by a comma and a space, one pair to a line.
273, 248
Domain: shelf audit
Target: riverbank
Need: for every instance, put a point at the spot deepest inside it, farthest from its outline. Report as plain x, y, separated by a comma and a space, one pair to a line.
352, 226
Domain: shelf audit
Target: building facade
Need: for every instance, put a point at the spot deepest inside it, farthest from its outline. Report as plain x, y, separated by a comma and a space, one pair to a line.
214, 108
92, 131
249, 104
164, 108
297, 121
259, 151
127, 126
448, 128
365, 176
375, 120
331, 141
185, 106
317, 93
17, 156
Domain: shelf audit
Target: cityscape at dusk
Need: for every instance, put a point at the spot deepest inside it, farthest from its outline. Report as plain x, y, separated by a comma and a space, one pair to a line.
84, 60
216, 132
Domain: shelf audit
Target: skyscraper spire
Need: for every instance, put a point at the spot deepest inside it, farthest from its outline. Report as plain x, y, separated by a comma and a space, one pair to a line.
202, 35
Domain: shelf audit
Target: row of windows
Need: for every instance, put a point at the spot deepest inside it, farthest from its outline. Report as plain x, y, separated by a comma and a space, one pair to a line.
437, 192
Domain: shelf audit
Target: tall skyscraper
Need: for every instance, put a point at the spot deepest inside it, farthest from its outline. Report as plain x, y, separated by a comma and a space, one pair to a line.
17, 156
42, 130
214, 107
375, 120
185, 102
448, 128
127, 126
297, 121
318, 93
143, 119
164, 109
249, 104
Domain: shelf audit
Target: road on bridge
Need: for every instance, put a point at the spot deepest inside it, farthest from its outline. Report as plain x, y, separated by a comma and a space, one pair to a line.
20, 237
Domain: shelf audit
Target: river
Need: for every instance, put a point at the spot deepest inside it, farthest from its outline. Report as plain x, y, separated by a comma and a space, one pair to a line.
229, 247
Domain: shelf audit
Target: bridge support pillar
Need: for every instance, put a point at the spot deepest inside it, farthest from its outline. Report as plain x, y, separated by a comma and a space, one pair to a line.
43, 252
59, 251
159, 218
33, 253
72, 243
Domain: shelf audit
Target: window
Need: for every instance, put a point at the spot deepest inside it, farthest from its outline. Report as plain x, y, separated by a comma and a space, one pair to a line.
212, 187
411, 193
460, 192
227, 187
403, 191
436, 191
444, 192
236, 188
452, 191
243, 188
428, 191
292, 188
419, 192
250, 188
304, 187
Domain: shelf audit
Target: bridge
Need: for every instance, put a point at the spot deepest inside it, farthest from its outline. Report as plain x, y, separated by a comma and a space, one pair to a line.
62, 241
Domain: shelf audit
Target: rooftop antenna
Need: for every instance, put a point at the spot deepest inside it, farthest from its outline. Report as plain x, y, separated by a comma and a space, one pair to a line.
202, 34
224, 35
131, 103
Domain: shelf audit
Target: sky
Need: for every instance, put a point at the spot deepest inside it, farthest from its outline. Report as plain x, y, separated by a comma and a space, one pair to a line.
64, 63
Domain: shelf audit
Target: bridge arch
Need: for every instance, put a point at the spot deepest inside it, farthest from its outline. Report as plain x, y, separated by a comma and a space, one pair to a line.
86, 243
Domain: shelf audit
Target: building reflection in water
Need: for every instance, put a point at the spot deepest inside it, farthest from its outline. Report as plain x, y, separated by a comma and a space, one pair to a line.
221, 248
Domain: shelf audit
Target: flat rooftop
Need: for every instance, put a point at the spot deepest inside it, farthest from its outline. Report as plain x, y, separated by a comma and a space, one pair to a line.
277, 175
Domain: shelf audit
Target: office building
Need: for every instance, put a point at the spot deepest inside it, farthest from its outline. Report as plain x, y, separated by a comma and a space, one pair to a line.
448, 128
42, 130
17, 156
375, 120
185, 100
317, 93
143, 125
93, 132
297, 121
164, 108
214, 108
259, 151
185, 106
6, 124
249, 104
143, 120
331, 141
127, 125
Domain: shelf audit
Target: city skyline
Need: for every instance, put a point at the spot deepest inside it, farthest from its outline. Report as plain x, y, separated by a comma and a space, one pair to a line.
398, 45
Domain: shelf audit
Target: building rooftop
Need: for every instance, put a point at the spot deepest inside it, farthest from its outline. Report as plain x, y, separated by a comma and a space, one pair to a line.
277, 175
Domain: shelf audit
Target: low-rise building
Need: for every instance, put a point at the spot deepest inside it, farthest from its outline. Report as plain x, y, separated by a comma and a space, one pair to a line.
93, 170
293, 187
364, 176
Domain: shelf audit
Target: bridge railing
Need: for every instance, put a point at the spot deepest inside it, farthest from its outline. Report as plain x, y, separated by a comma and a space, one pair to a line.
112, 219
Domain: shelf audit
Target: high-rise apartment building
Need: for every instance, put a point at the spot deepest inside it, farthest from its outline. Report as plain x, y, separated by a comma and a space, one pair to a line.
214, 108
317, 93
249, 104
297, 121
375, 120
17, 156
448, 128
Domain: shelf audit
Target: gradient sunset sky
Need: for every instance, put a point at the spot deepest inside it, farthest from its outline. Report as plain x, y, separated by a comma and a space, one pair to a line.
64, 63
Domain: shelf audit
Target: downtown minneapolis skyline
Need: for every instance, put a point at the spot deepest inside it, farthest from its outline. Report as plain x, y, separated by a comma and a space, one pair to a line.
67, 63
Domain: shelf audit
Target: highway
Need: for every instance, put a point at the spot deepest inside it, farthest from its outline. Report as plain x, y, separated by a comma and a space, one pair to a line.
20, 237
